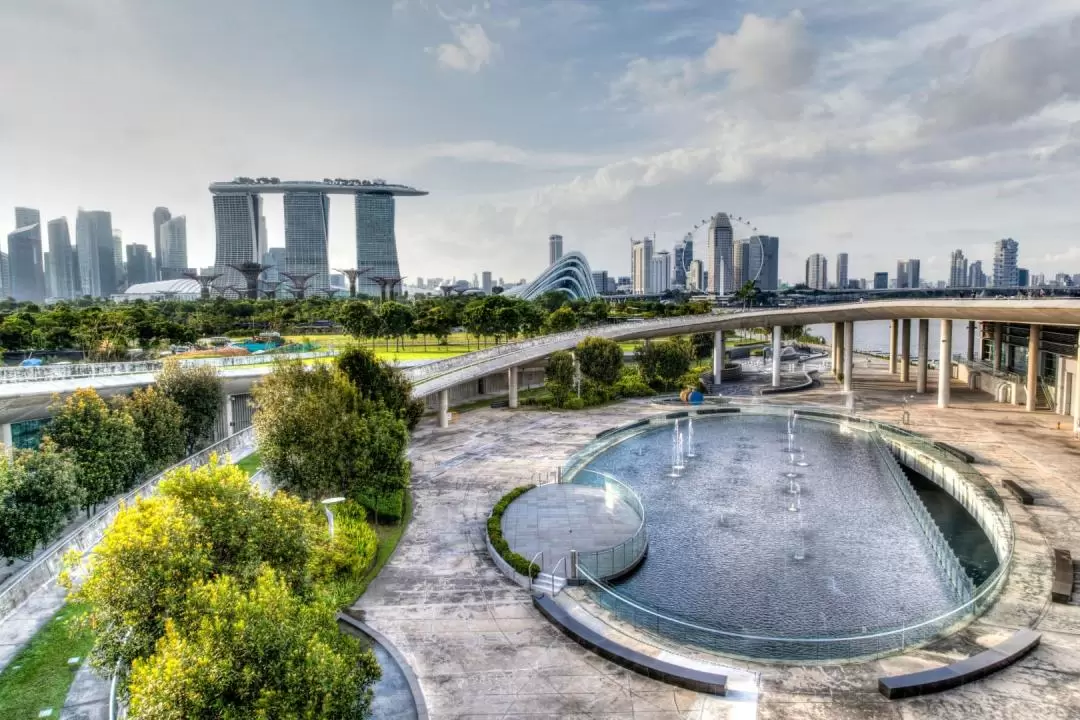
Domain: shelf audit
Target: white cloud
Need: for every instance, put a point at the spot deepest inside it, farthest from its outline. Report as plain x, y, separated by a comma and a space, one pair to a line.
493, 152
766, 54
472, 51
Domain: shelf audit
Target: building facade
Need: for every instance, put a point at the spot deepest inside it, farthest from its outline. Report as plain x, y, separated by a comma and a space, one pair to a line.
236, 225
161, 215
376, 245
641, 256
976, 277
65, 280
555, 249
173, 262
485, 282
660, 275
958, 269
1006, 252
141, 267
694, 276
26, 264
683, 256
719, 255
817, 272
94, 246
841, 271
307, 220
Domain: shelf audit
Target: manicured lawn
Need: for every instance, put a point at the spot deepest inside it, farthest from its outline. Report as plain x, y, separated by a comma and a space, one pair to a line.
250, 464
39, 676
389, 536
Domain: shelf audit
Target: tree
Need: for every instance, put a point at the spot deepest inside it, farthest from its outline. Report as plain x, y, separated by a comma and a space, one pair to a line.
748, 293
38, 492
560, 375
600, 359
382, 383
702, 344
104, 443
434, 321
160, 421
397, 320
198, 391
562, 320
664, 363
256, 653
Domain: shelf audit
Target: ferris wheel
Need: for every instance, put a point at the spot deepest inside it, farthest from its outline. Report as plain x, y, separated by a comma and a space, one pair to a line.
757, 264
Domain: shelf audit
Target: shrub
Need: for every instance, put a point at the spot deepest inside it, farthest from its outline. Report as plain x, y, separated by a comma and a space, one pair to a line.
519, 563
632, 384
600, 359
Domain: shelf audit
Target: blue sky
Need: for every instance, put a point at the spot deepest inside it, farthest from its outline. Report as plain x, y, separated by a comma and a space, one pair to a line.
907, 129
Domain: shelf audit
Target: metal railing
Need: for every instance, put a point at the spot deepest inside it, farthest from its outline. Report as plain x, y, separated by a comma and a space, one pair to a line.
614, 561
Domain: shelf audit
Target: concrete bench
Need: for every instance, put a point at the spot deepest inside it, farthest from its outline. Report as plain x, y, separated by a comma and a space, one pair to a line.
697, 680
955, 452
973, 668
1061, 589
1021, 494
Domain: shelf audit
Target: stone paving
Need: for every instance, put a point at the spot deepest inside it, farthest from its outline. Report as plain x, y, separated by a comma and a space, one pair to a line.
479, 649
555, 519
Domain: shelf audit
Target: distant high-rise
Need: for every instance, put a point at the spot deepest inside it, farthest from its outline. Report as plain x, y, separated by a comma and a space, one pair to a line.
1023, 277
958, 269
307, 219
376, 245
660, 275
684, 255
600, 280
907, 273
27, 272
236, 222
769, 277
641, 266
118, 261
1005, 256
173, 262
485, 281
94, 244
976, 277
274, 258
817, 272
881, 281
719, 255
740, 262
5, 274
140, 265
24, 218
841, 271
63, 262
554, 249
914, 275
161, 215
695, 282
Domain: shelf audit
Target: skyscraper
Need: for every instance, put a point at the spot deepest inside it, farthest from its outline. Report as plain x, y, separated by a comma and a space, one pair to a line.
47, 266
907, 273
958, 269
719, 255
118, 261
695, 282
1023, 277
27, 272
5, 274
94, 244
740, 262
841, 271
63, 262
236, 222
976, 277
641, 266
660, 281
173, 262
274, 258
485, 281
140, 265
881, 281
684, 255
161, 215
376, 245
307, 218
554, 249
25, 217
817, 272
1005, 255
914, 275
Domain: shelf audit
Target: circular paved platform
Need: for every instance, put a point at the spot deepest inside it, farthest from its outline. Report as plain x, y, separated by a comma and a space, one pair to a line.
559, 518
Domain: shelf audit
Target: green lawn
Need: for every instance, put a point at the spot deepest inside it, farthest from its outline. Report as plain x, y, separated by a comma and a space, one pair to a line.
389, 536
39, 676
250, 464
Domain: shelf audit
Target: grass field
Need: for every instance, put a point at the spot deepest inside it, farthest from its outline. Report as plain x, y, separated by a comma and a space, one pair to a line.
39, 676
250, 464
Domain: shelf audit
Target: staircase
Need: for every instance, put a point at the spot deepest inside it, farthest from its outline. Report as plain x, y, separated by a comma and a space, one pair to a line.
548, 583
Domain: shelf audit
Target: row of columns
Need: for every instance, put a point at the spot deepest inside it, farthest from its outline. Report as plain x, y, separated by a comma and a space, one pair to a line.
512, 382
720, 350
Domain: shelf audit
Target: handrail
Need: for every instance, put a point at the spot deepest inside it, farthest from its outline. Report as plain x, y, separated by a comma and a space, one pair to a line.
541, 566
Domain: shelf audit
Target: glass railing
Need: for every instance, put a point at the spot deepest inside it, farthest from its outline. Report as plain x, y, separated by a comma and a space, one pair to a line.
614, 561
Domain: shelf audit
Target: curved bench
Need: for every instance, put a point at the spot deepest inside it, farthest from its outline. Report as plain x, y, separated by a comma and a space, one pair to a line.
973, 668
697, 680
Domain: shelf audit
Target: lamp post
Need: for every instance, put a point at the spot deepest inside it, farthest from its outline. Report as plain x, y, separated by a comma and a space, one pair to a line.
329, 513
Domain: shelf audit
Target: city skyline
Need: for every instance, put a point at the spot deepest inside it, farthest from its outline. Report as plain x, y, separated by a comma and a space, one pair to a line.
854, 133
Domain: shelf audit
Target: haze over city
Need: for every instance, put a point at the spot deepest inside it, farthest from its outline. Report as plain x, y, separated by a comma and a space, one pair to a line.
908, 130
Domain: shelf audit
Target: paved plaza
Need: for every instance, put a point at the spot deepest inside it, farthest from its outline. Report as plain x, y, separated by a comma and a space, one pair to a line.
480, 650
555, 519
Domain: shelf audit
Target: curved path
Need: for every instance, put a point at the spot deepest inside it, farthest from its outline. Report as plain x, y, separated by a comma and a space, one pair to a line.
433, 377
480, 650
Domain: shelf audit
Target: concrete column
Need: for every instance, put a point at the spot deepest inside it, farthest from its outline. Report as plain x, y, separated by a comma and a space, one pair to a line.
944, 365
229, 415
838, 340
444, 408
1033, 368
894, 335
924, 356
5, 438
776, 337
849, 353
718, 352
998, 364
971, 341
512, 384
905, 350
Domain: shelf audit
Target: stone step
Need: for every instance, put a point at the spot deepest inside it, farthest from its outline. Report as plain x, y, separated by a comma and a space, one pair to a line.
545, 582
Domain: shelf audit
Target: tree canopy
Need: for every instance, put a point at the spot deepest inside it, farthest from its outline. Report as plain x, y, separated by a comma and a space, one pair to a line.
198, 391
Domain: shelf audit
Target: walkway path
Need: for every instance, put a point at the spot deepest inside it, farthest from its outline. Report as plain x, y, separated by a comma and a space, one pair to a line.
481, 650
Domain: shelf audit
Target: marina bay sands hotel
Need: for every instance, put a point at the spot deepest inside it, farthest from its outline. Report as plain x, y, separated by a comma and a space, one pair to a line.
241, 229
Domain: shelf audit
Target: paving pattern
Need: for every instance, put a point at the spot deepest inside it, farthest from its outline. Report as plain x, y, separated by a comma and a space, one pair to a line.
480, 650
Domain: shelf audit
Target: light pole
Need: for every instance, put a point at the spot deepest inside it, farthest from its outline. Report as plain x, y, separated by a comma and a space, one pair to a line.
329, 513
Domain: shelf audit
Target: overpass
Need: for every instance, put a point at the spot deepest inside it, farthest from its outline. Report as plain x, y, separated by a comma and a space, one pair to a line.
20, 401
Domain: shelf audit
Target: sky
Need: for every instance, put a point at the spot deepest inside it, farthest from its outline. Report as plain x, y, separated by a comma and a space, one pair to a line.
887, 130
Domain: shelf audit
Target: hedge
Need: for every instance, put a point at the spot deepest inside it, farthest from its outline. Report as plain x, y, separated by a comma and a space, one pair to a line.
521, 565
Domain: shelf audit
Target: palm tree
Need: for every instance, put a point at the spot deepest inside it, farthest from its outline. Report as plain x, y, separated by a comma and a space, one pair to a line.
748, 293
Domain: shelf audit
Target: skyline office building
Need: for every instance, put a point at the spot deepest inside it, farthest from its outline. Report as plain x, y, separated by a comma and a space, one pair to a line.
307, 218
817, 272
881, 281
555, 249
485, 282
1006, 251
141, 267
719, 255
274, 259
695, 281
173, 262
376, 245
769, 278
976, 276
27, 272
641, 253
64, 278
958, 269
236, 226
841, 271
24, 218
907, 273
94, 245
118, 261
161, 215
660, 272
683, 256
